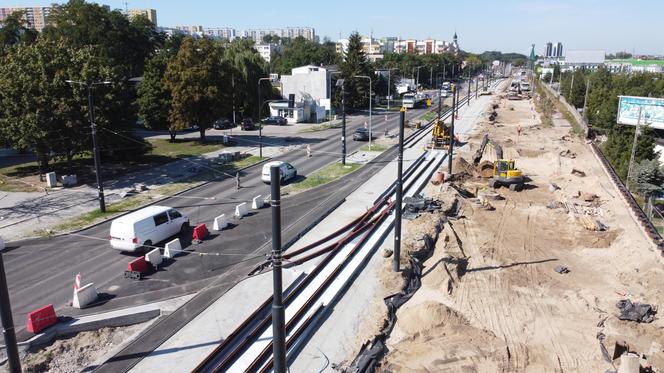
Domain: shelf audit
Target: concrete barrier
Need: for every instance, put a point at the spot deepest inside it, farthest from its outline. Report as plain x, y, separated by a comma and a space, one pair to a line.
41, 319
138, 265
200, 232
154, 257
220, 222
257, 202
84, 296
173, 248
51, 180
241, 210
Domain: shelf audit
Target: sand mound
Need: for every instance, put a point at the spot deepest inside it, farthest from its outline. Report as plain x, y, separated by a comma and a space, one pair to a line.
421, 318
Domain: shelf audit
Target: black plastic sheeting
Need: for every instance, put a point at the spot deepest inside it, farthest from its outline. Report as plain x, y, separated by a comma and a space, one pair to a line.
639, 312
417, 204
372, 352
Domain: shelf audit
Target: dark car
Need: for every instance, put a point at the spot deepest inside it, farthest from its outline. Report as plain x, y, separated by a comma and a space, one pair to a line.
222, 124
277, 120
361, 134
247, 124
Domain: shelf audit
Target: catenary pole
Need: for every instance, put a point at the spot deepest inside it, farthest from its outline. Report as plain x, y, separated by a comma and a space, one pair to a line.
399, 195
278, 312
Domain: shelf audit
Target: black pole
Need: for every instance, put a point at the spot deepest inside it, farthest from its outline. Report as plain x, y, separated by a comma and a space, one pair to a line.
476, 83
95, 152
260, 126
278, 314
343, 125
13, 361
399, 195
451, 148
468, 93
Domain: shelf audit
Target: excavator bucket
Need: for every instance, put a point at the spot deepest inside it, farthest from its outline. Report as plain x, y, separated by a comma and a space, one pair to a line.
485, 169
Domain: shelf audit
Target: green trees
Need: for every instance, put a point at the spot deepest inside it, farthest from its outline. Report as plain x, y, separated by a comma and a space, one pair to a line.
198, 79
246, 67
154, 99
12, 31
39, 111
300, 52
355, 63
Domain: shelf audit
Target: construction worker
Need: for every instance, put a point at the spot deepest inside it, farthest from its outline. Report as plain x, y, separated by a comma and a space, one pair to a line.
237, 180
518, 130
308, 150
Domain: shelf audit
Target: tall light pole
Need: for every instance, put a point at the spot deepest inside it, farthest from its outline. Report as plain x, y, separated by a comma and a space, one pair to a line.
418, 75
340, 83
370, 99
95, 147
260, 125
389, 86
278, 309
13, 360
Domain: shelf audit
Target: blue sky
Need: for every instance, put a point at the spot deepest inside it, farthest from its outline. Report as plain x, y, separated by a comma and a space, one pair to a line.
506, 25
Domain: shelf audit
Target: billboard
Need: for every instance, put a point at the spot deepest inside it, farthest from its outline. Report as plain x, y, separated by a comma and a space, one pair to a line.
652, 111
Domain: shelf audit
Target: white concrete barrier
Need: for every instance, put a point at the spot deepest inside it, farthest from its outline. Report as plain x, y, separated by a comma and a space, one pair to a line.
173, 248
51, 180
257, 202
154, 257
241, 210
84, 296
220, 222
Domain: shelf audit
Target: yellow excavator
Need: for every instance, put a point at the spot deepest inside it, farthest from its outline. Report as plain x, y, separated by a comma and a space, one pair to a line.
440, 135
501, 172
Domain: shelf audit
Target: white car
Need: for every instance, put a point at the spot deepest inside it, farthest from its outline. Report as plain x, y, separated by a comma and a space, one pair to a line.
286, 170
146, 227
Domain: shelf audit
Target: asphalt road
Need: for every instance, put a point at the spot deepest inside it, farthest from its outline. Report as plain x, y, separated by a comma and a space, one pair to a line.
41, 271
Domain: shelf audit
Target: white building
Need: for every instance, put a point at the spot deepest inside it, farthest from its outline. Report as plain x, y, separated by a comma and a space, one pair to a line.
220, 33
373, 48
428, 46
289, 32
312, 88
266, 50
582, 59
635, 66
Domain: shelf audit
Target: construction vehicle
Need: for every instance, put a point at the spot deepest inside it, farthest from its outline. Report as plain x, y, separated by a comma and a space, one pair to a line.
440, 135
501, 172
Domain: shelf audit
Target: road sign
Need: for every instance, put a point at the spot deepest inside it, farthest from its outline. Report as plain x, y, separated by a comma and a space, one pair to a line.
652, 111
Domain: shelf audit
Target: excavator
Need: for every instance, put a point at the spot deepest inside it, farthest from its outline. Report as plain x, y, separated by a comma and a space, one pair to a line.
501, 172
440, 135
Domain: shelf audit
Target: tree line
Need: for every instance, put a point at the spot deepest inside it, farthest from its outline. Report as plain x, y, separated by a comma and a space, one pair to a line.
167, 83
603, 89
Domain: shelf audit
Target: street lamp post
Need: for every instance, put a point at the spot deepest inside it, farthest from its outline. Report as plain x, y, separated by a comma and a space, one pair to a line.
260, 125
95, 147
389, 86
340, 83
370, 99
418, 75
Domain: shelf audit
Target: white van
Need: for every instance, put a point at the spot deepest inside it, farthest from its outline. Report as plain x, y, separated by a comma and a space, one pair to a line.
286, 170
146, 227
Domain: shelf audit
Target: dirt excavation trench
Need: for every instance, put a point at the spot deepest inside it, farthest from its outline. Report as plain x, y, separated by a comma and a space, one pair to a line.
491, 299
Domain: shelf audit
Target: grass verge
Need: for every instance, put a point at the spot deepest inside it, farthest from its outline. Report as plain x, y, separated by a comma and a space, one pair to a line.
140, 200
321, 127
577, 129
374, 148
322, 176
182, 148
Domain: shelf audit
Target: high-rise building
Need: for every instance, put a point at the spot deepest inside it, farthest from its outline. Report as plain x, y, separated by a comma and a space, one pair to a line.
35, 17
559, 49
220, 33
549, 50
150, 14
289, 32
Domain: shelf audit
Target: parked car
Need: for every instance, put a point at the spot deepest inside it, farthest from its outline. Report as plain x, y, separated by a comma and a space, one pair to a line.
361, 134
277, 120
247, 124
286, 170
222, 124
146, 227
